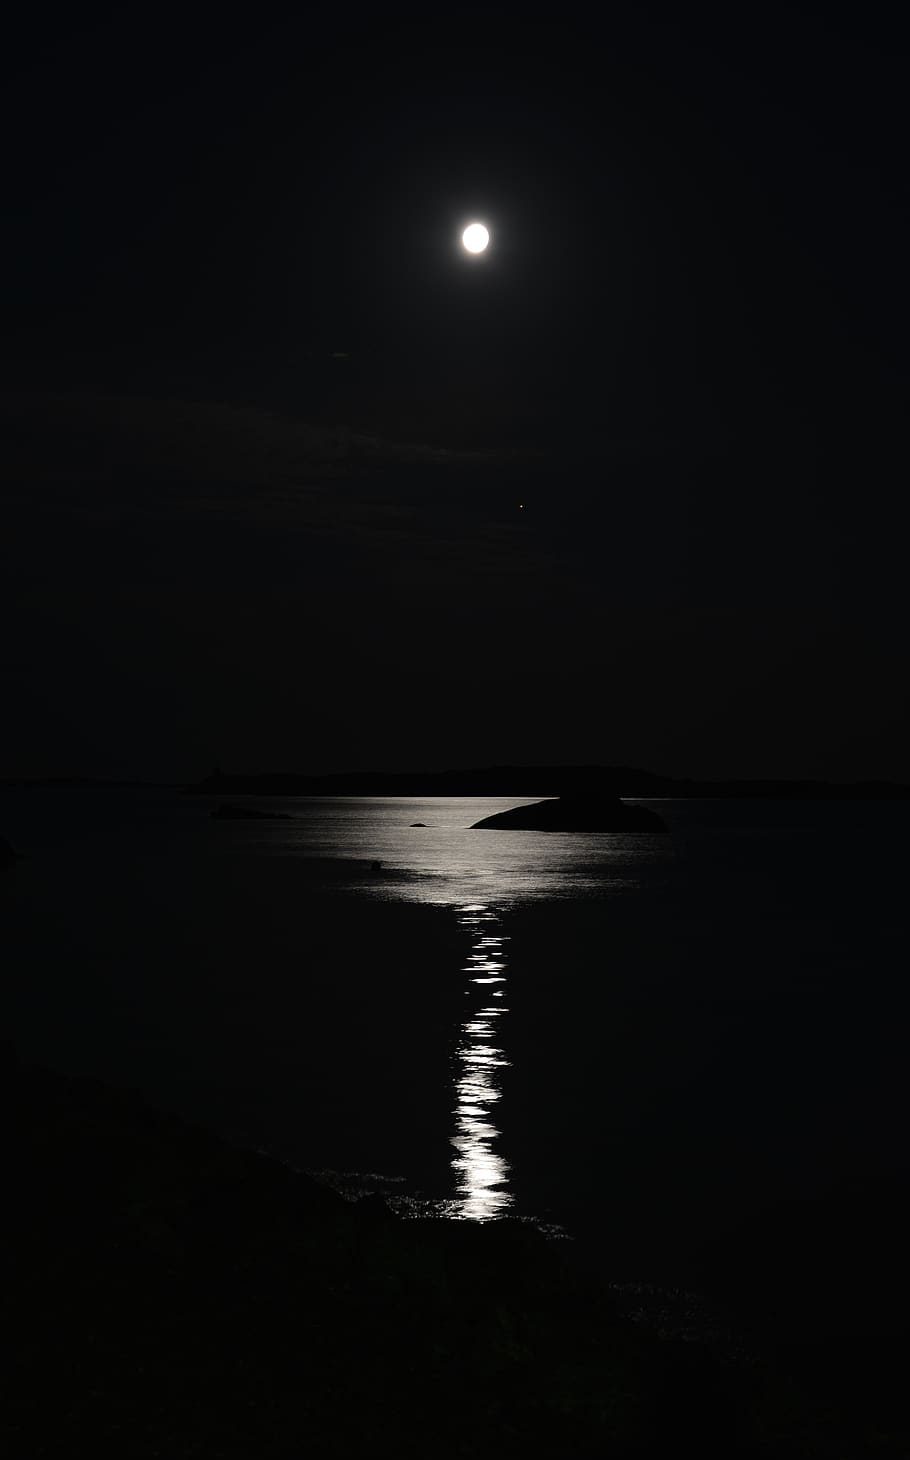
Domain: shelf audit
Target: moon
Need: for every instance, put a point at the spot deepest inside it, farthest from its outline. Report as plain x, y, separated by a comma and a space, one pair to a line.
475, 237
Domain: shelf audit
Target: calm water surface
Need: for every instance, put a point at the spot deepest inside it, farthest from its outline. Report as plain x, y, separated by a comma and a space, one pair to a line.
647, 1034
429, 853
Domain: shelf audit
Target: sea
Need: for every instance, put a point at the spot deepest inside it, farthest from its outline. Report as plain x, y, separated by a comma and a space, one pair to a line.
687, 1051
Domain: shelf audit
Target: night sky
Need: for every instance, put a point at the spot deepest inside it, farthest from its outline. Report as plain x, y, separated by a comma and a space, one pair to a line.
266, 428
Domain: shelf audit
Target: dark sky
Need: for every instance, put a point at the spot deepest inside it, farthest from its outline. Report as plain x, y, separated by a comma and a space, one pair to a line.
685, 353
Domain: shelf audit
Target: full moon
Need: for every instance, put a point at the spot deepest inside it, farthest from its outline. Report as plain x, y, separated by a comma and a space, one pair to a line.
475, 237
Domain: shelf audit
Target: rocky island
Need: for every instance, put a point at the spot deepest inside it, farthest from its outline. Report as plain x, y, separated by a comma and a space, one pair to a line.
575, 813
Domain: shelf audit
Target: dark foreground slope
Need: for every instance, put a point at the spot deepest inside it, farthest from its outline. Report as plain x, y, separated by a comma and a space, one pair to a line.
172, 1295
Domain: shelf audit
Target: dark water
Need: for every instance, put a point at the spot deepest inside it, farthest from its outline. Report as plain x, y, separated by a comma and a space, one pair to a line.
692, 1048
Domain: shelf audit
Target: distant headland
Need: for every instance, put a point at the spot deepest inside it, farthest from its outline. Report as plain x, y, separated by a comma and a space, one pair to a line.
510, 780
497, 780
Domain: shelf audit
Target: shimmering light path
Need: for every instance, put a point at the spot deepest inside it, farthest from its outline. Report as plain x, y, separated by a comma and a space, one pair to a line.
481, 1173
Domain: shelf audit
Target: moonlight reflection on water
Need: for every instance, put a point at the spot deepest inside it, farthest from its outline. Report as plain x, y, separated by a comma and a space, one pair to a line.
481, 1173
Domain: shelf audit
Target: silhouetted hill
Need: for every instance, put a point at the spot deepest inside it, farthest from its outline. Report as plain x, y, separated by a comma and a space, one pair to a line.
533, 781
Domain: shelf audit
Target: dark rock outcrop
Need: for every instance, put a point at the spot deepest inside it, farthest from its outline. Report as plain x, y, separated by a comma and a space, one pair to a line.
175, 1289
575, 813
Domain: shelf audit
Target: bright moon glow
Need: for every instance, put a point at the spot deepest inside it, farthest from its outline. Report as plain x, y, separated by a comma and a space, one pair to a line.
475, 238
